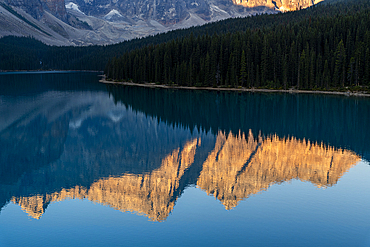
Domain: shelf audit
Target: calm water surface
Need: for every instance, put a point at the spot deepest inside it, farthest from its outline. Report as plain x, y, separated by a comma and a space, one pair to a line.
85, 164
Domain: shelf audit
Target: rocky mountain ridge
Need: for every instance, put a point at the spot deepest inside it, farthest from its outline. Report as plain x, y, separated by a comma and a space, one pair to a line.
86, 22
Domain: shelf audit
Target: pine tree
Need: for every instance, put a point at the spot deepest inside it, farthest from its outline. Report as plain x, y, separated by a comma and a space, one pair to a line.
312, 69
207, 72
367, 66
326, 75
285, 71
257, 83
351, 71
340, 65
264, 62
243, 70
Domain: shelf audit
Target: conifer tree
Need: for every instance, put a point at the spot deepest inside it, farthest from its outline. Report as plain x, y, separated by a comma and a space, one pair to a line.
243, 70
340, 65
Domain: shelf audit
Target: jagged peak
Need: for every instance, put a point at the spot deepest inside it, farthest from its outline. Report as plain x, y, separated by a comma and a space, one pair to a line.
112, 13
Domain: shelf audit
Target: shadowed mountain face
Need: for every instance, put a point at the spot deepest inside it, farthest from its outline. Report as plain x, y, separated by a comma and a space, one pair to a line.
71, 138
167, 12
24, 148
87, 22
36, 8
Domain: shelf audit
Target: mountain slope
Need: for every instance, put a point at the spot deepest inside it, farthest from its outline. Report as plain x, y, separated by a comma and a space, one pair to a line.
82, 22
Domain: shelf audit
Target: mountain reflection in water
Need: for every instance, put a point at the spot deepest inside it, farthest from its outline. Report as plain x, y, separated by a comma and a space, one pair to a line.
237, 167
65, 144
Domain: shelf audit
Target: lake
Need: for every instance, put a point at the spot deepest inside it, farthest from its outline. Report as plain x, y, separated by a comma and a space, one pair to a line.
88, 164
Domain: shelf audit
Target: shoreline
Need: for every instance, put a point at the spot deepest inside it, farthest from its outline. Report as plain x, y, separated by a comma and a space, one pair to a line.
253, 90
46, 71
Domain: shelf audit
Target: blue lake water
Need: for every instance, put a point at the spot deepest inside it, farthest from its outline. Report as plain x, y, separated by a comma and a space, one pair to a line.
88, 164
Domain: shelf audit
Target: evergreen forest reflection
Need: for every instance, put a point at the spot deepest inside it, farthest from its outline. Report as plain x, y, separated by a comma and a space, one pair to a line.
137, 149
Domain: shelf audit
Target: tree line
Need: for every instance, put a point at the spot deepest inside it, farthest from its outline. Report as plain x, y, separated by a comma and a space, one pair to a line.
326, 51
26, 53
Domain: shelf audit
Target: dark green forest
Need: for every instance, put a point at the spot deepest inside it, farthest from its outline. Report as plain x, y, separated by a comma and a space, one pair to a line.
330, 50
322, 47
26, 53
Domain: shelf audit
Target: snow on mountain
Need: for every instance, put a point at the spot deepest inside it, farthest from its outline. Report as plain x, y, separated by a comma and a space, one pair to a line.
114, 16
112, 13
73, 6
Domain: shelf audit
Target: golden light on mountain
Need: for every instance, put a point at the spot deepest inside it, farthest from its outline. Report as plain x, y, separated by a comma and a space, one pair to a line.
151, 194
35, 206
282, 5
237, 167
